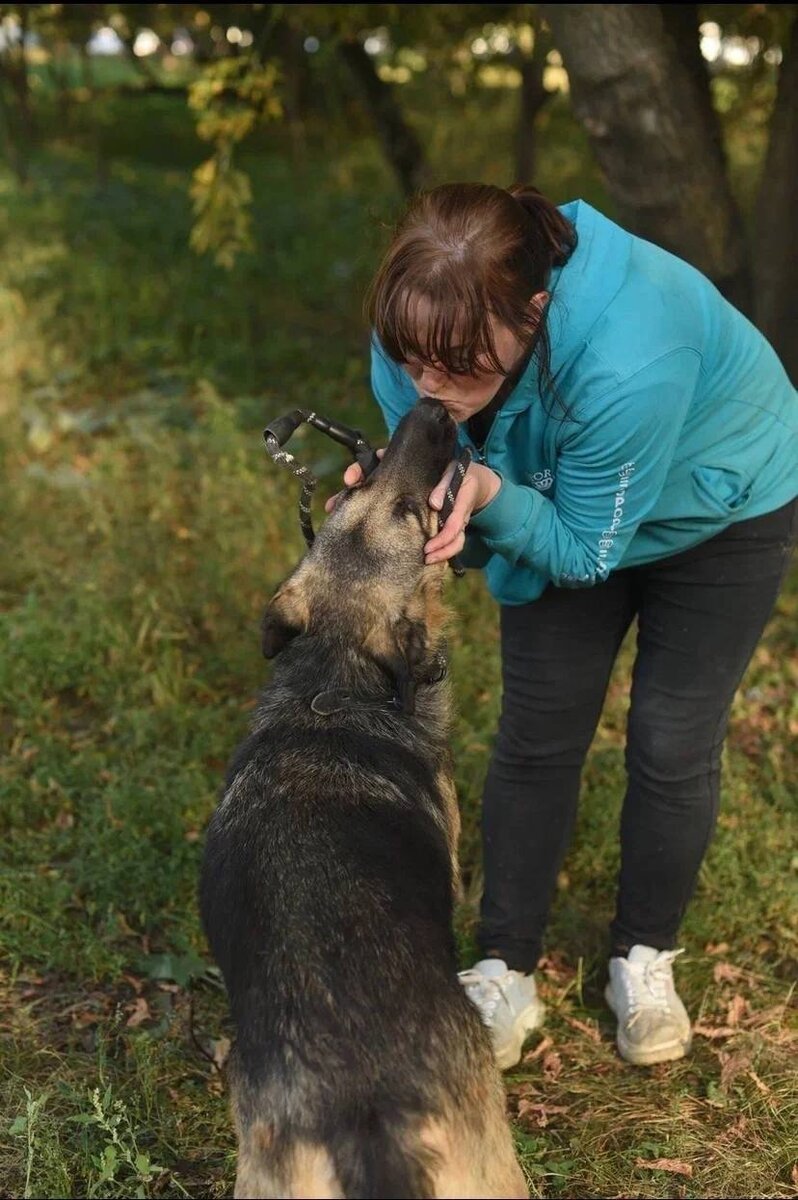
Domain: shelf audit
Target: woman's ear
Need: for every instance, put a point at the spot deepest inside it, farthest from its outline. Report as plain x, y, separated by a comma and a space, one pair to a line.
538, 303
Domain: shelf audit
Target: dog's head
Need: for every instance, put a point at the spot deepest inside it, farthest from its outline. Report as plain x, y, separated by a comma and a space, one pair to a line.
364, 581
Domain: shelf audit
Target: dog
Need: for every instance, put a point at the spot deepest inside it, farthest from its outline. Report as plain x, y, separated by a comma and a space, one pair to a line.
359, 1067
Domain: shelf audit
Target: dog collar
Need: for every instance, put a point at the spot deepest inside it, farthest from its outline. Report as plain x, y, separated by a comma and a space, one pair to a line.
335, 700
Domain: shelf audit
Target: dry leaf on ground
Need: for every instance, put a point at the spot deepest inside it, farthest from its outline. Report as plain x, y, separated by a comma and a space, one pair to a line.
738, 1007
220, 1049
539, 1114
590, 1030
139, 1011
732, 1065
674, 1165
552, 1064
541, 1048
713, 1031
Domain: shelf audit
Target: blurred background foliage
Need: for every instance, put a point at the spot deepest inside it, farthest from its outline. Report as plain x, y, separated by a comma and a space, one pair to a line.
192, 201
679, 104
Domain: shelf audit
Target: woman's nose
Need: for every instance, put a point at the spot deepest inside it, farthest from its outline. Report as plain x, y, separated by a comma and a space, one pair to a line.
431, 380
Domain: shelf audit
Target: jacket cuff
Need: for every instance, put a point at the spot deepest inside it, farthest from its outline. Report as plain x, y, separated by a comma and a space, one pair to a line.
504, 515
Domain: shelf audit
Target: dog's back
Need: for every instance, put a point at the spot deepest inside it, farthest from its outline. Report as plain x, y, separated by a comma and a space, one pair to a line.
327, 898
360, 1067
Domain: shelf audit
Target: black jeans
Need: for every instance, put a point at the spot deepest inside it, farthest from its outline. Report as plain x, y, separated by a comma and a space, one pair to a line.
700, 615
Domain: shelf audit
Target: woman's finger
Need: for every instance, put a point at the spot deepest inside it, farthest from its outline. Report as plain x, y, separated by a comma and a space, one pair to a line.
457, 520
448, 551
438, 493
330, 504
353, 475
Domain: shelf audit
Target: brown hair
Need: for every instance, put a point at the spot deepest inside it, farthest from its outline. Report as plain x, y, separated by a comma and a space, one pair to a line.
468, 251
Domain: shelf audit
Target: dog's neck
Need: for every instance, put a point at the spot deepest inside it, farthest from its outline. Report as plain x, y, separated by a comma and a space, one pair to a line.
330, 678
339, 699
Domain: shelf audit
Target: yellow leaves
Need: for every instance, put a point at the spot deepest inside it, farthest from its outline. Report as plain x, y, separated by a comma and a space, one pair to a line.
221, 197
231, 97
232, 126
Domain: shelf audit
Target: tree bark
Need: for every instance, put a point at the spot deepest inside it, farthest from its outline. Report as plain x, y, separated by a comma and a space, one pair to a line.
643, 113
399, 142
532, 99
774, 235
17, 107
681, 23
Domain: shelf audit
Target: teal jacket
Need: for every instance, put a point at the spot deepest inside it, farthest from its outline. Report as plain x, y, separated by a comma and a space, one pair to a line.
674, 418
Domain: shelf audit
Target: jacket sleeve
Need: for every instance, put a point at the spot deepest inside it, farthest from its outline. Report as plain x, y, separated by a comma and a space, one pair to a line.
610, 471
392, 387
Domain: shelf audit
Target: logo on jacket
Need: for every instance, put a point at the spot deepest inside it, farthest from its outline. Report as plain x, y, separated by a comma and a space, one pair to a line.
542, 480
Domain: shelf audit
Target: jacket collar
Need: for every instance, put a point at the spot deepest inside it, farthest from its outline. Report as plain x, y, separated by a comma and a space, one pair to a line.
579, 293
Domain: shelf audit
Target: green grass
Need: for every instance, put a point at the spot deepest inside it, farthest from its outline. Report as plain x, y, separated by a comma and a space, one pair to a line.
144, 530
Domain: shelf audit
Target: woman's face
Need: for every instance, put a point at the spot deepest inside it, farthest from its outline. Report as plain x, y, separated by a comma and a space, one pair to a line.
464, 395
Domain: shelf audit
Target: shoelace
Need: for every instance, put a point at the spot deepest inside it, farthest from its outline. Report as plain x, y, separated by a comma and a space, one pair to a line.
483, 992
647, 991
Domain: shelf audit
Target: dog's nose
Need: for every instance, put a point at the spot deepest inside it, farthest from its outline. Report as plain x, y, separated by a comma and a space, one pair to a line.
434, 410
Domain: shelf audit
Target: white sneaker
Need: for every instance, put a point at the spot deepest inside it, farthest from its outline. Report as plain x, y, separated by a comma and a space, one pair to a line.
653, 1025
507, 1002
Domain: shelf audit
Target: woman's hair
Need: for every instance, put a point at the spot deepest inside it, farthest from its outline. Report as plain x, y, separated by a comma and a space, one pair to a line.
461, 253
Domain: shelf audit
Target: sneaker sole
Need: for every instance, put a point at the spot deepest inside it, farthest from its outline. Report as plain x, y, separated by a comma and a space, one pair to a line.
638, 1057
525, 1023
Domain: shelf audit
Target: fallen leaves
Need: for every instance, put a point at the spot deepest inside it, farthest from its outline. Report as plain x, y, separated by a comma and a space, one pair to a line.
532, 1112
713, 1032
220, 1049
590, 1031
532, 1055
732, 1065
738, 1007
552, 1065
139, 1012
726, 972
673, 1165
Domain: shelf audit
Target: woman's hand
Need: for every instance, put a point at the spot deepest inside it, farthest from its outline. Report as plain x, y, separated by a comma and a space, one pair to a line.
478, 488
353, 477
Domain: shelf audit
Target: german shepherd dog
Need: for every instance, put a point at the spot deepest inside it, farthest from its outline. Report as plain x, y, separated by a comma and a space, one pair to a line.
360, 1068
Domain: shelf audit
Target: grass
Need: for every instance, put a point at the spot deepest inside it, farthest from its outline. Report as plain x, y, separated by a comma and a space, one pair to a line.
146, 530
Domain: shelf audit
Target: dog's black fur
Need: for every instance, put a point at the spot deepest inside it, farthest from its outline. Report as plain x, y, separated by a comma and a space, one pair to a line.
360, 1068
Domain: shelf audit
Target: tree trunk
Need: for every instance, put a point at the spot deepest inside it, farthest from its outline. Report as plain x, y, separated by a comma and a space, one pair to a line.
399, 142
775, 228
643, 113
286, 42
532, 98
681, 22
17, 106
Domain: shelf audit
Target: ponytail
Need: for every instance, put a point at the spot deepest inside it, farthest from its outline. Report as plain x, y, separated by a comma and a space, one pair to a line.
547, 224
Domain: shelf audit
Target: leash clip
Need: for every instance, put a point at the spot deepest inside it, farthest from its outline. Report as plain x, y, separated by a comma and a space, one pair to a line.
277, 433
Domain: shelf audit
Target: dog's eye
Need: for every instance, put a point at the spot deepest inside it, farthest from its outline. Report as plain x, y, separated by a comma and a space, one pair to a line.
406, 506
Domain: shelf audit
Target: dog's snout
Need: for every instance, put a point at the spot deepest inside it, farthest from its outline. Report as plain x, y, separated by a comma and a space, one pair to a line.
435, 417
434, 409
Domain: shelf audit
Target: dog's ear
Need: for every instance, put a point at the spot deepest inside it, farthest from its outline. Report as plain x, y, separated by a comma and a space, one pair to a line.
408, 663
286, 616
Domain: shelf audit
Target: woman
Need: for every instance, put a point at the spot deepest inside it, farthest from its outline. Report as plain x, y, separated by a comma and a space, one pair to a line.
635, 448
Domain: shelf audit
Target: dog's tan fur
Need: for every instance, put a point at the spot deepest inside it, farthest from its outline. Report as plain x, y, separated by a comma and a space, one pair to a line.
364, 596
